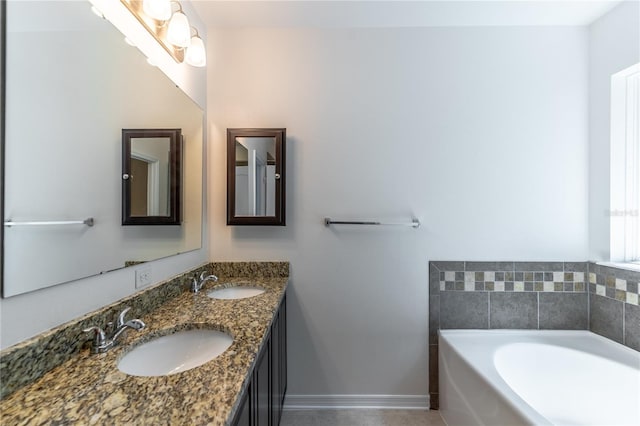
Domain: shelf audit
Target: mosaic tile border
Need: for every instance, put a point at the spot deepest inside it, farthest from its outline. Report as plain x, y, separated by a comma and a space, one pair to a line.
521, 281
614, 283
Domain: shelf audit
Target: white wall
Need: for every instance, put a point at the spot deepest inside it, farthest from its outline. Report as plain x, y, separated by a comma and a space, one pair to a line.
614, 44
479, 132
28, 314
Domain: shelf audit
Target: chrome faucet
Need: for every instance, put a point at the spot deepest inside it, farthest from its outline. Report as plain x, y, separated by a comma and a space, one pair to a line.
103, 342
196, 285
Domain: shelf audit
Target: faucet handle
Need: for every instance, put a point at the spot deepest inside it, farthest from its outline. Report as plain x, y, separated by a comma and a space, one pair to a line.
203, 275
121, 315
99, 336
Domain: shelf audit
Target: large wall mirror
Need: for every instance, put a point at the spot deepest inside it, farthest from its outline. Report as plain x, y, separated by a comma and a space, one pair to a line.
256, 176
72, 85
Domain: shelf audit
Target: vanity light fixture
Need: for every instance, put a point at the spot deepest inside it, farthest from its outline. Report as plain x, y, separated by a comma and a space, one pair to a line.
170, 27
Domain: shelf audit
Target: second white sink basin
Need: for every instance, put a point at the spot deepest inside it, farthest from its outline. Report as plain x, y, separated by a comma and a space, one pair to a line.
175, 353
237, 292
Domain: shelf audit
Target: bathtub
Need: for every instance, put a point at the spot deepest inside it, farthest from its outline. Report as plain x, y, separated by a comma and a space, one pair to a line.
537, 377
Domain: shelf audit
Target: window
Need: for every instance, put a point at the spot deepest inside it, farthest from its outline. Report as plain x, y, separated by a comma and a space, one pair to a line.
625, 165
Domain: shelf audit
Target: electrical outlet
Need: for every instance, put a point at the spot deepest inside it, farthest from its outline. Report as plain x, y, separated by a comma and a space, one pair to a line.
143, 277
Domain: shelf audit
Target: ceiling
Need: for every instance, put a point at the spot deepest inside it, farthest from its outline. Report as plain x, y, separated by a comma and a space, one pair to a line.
398, 13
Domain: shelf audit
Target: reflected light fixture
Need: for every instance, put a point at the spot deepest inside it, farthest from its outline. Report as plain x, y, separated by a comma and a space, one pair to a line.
179, 30
170, 27
196, 55
159, 10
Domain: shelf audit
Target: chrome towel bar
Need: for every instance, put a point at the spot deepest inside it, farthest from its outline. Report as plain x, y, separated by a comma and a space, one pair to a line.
88, 222
415, 223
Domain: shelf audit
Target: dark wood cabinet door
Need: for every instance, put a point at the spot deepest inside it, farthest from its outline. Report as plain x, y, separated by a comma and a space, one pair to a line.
276, 399
243, 416
263, 386
283, 349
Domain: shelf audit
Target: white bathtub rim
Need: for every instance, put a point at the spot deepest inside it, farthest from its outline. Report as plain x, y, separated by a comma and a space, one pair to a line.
495, 380
508, 395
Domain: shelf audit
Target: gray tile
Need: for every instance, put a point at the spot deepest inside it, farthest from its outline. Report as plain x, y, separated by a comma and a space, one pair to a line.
528, 286
623, 274
464, 309
448, 265
519, 276
538, 266
592, 288
489, 266
434, 318
508, 286
434, 401
632, 326
610, 292
460, 276
499, 276
450, 286
606, 317
479, 276
632, 286
479, 286
576, 266
548, 276
564, 311
433, 368
514, 310
434, 279
442, 275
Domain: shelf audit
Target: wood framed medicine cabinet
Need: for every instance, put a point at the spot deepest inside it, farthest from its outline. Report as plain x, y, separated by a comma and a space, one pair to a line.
256, 184
151, 176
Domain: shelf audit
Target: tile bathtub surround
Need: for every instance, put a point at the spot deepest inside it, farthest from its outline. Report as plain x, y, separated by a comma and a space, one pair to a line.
27, 361
532, 295
504, 295
613, 294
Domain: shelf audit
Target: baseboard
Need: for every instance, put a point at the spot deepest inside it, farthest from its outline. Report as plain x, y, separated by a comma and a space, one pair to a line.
337, 402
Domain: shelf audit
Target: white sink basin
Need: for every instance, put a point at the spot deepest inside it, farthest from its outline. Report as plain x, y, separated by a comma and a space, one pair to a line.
174, 353
237, 292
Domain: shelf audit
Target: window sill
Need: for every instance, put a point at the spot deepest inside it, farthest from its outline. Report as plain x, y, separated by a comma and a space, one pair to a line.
629, 266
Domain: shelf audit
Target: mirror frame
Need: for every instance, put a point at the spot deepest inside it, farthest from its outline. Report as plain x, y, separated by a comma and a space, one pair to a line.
280, 136
175, 177
3, 109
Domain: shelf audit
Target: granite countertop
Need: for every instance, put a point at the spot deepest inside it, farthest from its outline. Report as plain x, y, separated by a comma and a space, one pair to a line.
89, 389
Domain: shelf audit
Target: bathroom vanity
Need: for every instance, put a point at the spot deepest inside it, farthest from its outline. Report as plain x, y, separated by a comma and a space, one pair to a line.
245, 385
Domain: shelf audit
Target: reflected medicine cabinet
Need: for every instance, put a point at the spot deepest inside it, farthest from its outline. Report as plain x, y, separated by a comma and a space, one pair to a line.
256, 176
151, 176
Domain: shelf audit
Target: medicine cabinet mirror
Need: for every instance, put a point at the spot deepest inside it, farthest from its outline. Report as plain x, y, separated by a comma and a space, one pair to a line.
151, 177
256, 176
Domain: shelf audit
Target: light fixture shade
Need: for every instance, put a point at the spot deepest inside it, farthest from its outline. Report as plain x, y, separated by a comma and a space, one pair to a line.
196, 54
179, 30
157, 9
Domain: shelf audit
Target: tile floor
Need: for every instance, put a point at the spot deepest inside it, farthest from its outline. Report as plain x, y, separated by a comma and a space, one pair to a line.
362, 417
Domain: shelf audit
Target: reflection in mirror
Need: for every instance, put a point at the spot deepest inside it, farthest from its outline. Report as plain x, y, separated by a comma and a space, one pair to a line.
255, 176
151, 177
65, 111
